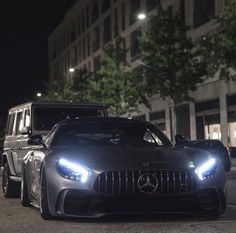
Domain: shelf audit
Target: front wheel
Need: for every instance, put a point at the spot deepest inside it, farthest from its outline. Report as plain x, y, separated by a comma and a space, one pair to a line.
25, 201
44, 209
9, 187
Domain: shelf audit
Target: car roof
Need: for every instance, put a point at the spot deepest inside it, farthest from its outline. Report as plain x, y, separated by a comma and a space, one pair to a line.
102, 119
50, 103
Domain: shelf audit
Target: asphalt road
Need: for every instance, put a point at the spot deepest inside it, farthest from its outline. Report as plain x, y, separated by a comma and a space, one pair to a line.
16, 219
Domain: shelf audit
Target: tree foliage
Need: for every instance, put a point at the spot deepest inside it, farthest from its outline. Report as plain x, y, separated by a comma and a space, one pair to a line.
220, 47
75, 90
170, 54
115, 85
59, 90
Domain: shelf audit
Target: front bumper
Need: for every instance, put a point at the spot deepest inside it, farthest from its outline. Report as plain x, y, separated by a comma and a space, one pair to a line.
75, 203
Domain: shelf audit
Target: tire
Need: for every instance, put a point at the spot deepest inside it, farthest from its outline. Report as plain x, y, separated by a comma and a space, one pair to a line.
44, 209
24, 197
9, 187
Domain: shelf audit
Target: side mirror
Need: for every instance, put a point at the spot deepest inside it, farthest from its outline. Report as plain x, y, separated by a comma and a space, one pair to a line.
180, 139
25, 131
35, 140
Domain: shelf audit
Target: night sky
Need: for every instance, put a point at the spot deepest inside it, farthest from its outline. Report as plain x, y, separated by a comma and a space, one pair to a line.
25, 27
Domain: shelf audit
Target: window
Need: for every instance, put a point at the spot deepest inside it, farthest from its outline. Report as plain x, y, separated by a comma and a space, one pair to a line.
88, 45
87, 16
112, 134
83, 21
78, 25
157, 115
116, 26
10, 124
74, 56
54, 50
96, 39
151, 4
135, 8
182, 9
83, 48
19, 122
231, 104
134, 40
46, 118
80, 51
207, 105
73, 32
208, 120
123, 16
158, 119
96, 63
105, 5
27, 118
140, 117
204, 10
95, 10
107, 29
183, 120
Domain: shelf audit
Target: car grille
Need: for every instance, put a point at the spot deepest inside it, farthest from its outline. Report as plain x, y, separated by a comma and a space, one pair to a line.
126, 182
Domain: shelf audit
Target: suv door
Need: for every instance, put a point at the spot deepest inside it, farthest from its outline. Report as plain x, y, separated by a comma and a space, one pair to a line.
10, 139
21, 141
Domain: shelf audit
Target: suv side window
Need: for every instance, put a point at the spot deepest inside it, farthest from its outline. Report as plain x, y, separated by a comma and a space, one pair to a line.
27, 118
10, 124
19, 122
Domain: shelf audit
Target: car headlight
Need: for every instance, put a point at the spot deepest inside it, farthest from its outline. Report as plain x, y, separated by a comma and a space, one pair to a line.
207, 169
72, 171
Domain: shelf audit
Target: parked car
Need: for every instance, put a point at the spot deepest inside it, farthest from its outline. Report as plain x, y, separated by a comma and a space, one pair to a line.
216, 147
28, 120
97, 166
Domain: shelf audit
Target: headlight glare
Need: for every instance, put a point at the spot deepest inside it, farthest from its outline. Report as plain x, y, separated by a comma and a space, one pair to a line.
72, 171
207, 169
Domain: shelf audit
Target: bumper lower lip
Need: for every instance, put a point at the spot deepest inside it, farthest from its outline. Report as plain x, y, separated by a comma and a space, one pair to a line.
75, 203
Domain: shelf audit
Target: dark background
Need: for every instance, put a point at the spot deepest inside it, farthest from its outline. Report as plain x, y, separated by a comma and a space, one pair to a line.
24, 29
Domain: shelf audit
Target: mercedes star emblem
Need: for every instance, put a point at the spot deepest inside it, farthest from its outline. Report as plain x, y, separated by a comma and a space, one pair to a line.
147, 183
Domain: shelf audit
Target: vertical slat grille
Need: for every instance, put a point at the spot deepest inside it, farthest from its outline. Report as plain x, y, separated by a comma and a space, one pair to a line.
126, 182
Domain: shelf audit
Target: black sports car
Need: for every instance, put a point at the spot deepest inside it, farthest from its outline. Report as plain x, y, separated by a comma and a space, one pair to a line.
97, 166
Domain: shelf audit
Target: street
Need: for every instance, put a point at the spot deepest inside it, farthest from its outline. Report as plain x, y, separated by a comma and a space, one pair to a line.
16, 219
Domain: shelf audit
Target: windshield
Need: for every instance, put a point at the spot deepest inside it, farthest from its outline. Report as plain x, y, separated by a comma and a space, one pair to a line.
107, 133
45, 118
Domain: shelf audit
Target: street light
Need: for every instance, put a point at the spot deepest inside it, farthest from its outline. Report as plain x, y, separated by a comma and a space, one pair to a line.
142, 16
72, 70
39, 94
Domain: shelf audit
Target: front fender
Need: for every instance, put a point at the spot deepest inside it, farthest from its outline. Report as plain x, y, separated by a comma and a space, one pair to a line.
7, 158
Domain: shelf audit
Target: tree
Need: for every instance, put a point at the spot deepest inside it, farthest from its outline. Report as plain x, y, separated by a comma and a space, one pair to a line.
172, 57
75, 90
115, 85
220, 47
59, 90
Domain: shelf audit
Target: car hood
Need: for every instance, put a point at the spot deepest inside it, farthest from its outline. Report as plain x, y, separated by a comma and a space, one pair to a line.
127, 157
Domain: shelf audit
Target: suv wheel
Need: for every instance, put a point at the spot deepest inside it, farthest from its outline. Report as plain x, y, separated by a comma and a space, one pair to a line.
24, 191
44, 209
9, 187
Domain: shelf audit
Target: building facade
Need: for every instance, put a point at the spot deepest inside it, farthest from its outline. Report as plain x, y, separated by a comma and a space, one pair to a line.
89, 26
